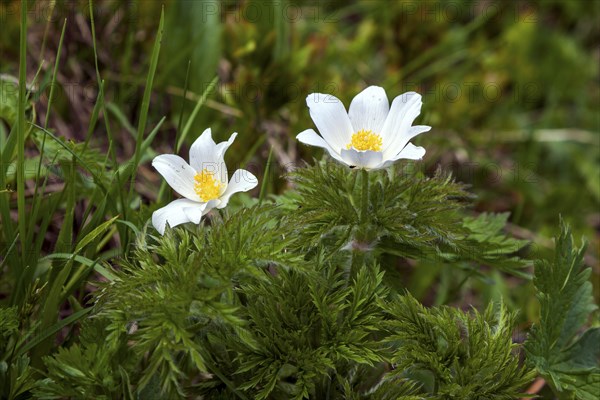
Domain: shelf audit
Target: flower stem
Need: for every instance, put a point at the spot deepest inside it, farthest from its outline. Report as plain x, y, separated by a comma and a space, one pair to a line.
359, 253
365, 196
358, 259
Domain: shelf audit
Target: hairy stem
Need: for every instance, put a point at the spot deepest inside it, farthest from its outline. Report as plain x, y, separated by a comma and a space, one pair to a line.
358, 251
364, 204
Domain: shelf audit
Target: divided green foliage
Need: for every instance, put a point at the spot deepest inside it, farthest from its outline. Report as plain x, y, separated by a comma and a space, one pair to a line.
409, 212
410, 216
16, 375
220, 311
80, 373
391, 387
9, 100
10, 324
247, 241
91, 368
487, 244
457, 355
307, 332
157, 302
16, 379
558, 347
172, 288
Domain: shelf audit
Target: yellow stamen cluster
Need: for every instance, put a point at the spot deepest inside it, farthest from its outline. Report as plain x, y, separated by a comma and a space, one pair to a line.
206, 186
365, 140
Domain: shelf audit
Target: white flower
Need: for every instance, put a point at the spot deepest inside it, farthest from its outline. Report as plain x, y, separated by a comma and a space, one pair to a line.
202, 182
372, 134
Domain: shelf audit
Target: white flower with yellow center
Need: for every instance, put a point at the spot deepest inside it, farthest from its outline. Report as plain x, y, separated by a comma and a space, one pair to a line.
203, 182
371, 135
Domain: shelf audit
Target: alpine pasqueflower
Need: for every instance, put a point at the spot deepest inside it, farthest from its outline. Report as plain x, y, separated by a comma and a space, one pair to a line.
203, 182
371, 135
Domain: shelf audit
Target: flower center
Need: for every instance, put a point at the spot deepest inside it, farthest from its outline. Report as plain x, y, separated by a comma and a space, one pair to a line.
206, 186
365, 140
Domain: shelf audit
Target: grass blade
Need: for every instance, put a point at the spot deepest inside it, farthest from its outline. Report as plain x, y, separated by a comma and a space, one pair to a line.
263, 186
146, 99
53, 330
201, 101
21, 128
82, 260
36, 201
96, 178
93, 234
188, 126
183, 101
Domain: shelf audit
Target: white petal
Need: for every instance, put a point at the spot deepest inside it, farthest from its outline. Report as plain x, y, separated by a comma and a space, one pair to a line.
362, 159
172, 214
331, 119
221, 149
241, 181
417, 130
178, 174
369, 109
202, 150
399, 146
405, 108
212, 204
410, 152
223, 146
311, 138
206, 154
195, 213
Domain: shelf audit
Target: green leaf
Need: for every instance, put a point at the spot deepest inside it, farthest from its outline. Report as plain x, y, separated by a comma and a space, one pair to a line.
466, 353
53, 329
94, 234
487, 244
145, 106
82, 260
567, 360
9, 100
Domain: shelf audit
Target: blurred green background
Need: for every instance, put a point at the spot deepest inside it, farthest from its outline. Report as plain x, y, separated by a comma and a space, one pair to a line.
511, 88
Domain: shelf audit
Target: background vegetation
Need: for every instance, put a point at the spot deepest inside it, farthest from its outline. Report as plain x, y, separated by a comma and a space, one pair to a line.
511, 90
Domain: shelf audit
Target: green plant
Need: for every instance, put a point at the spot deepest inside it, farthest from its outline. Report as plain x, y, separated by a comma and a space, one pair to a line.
559, 346
412, 282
